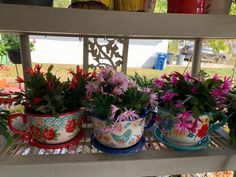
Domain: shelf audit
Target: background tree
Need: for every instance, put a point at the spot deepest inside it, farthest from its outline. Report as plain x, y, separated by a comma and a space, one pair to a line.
62, 3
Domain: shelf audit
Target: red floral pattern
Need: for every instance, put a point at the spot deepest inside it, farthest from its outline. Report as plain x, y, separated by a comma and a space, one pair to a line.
202, 132
71, 125
49, 134
35, 131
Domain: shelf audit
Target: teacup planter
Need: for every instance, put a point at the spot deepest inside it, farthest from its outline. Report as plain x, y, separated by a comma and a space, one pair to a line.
120, 135
190, 132
48, 129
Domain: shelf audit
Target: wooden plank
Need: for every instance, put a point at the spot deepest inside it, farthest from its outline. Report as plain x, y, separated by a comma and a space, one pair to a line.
140, 164
74, 22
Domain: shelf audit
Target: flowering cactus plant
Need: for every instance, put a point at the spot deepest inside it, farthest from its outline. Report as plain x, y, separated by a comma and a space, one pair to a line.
183, 96
115, 98
46, 94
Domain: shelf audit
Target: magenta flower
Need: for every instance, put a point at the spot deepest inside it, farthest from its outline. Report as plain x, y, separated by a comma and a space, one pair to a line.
104, 74
179, 105
174, 78
119, 80
132, 84
183, 127
187, 76
163, 76
168, 95
91, 88
226, 85
153, 100
216, 78
185, 116
146, 90
114, 109
158, 83
127, 115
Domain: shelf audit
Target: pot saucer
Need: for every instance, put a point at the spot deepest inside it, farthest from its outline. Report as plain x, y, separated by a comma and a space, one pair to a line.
202, 144
72, 142
109, 150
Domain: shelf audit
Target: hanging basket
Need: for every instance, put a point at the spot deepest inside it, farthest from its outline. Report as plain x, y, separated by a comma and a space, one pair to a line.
14, 55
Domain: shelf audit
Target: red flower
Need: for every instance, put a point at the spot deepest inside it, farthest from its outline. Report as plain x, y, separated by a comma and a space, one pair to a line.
49, 134
37, 100
74, 83
50, 84
79, 70
35, 131
30, 71
37, 68
94, 74
19, 80
71, 125
202, 132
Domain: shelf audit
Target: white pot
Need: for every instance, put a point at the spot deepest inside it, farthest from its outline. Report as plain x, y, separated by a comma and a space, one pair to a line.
125, 134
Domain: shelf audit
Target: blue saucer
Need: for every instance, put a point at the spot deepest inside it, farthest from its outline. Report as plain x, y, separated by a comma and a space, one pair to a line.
202, 144
109, 150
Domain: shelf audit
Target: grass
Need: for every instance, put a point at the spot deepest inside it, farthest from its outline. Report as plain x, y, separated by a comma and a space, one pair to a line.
8, 76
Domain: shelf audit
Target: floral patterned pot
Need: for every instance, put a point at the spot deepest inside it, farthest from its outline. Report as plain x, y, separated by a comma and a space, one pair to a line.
188, 133
122, 134
48, 129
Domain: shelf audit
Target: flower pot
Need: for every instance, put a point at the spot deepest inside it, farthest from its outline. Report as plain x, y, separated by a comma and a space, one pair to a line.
138, 5
121, 135
48, 129
14, 55
218, 7
186, 6
188, 132
30, 2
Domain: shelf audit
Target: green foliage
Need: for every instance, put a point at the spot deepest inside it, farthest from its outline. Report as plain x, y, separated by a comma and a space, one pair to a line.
233, 9
2, 49
11, 42
46, 94
61, 3
3, 125
161, 6
141, 81
218, 46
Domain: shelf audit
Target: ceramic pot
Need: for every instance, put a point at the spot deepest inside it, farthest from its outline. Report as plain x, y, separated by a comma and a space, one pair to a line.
123, 134
137, 5
48, 129
186, 6
188, 133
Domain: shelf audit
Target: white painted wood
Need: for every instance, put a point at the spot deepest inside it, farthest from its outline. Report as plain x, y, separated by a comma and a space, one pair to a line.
55, 21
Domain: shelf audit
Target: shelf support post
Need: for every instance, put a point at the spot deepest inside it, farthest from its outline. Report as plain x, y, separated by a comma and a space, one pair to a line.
86, 55
196, 64
125, 55
25, 54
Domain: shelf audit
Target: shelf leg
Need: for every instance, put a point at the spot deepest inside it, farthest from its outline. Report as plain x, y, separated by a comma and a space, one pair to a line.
125, 55
196, 65
25, 54
86, 55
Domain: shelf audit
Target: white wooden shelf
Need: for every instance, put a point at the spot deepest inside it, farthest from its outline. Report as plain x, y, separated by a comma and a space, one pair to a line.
23, 160
74, 22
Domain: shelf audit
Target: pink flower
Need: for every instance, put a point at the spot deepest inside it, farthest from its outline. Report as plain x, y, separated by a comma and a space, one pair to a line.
117, 91
168, 96
186, 115
153, 100
132, 84
178, 105
174, 78
104, 74
158, 83
163, 76
127, 115
114, 109
187, 76
226, 85
216, 78
120, 80
91, 87
146, 90
182, 126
